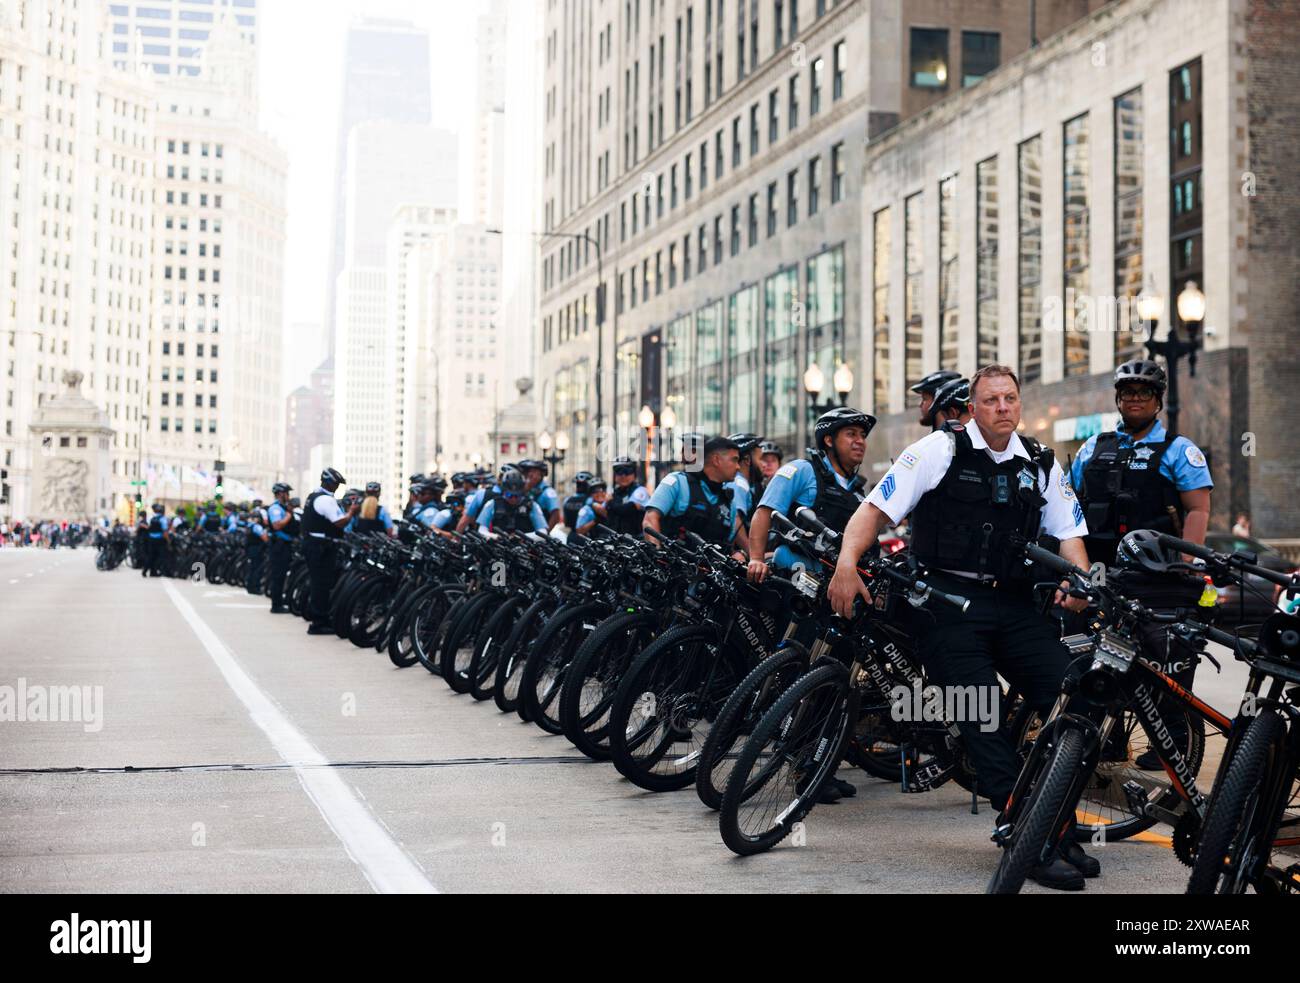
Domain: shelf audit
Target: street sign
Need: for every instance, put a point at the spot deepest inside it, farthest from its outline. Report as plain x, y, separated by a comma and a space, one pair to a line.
219, 466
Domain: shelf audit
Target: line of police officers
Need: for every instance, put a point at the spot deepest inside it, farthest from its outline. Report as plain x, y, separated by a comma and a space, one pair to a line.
971, 489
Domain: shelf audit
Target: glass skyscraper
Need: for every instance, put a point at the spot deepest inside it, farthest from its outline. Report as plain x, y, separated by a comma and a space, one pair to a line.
170, 34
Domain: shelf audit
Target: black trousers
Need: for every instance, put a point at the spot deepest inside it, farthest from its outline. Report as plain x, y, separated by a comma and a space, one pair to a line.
1001, 633
157, 553
280, 552
320, 571
256, 560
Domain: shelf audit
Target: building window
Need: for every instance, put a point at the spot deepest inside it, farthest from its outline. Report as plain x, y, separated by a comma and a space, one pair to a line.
792, 198
753, 220
708, 356
672, 265
825, 336
815, 73
1076, 177
929, 58
717, 240
704, 165
981, 52
913, 335
1129, 138
742, 353
735, 230
814, 185
673, 187
753, 130
841, 54
986, 261
704, 249
838, 168
690, 189
771, 210
735, 143
686, 257
773, 116
949, 336
793, 110
717, 156
880, 261
1187, 207
1029, 273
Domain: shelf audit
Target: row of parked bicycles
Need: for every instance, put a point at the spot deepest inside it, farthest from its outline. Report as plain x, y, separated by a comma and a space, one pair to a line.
662, 659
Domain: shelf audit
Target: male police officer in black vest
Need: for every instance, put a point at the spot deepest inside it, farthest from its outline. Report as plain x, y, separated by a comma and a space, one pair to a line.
1141, 477
974, 493
283, 528
574, 504
927, 388
322, 520
696, 500
625, 509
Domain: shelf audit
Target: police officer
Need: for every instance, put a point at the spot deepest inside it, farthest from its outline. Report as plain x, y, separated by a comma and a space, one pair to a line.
697, 499
974, 493
256, 537
373, 518
433, 514
323, 520
512, 509
625, 508
747, 476
412, 506
156, 541
927, 387
1139, 476
827, 481
575, 503
539, 491
283, 531
232, 517
211, 519
770, 457
485, 493
595, 511
951, 402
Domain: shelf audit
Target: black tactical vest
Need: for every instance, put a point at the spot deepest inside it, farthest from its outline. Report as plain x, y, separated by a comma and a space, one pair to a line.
314, 523
571, 507
834, 504
211, 522
971, 520
508, 518
625, 517
1124, 490
710, 521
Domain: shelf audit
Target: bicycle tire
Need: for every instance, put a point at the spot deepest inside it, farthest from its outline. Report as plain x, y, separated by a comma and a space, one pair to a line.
487, 647
602, 658
1235, 811
552, 653
815, 710
514, 654
458, 646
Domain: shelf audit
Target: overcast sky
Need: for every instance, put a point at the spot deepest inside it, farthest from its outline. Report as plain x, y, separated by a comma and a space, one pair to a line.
301, 51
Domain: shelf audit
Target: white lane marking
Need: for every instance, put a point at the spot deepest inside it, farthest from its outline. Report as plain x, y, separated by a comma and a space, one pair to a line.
388, 868
246, 607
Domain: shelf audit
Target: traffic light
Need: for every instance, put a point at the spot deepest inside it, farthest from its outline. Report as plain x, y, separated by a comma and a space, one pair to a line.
219, 491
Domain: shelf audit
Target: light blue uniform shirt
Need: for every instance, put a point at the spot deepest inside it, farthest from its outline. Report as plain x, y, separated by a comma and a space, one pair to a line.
475, 504
232, 522
673, 495
534, 513
1183, 463
740, 494
794, 486
546, 497
277, 513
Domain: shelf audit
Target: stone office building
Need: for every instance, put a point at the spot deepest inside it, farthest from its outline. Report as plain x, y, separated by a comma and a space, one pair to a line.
702, 160
1149, 145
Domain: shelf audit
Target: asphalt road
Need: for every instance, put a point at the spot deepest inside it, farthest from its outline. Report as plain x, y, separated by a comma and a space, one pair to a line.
231, 752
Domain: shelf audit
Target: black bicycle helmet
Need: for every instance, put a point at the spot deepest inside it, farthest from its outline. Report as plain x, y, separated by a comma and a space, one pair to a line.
769, 447
157, 508
438, 482
512, 482
953, 395
530, 464
455, 500
1144, 372
597, 484
746, 442
581, 480
1141, 551
934, 380
280, 488
373, 488
506, 471
829, 424
624, 465
330, 476
417, 479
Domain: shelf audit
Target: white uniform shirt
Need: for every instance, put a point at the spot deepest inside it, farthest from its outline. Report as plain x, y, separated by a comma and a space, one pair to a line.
921, 467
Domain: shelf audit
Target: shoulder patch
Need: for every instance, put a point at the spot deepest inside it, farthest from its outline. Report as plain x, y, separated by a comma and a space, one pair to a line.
1067, 489
907, 461
957, 427
1194, 456
887, 487
786, 471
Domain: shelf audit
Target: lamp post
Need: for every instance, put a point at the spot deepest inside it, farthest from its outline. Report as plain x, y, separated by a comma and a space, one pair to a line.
1191, 312
814, 381
561, 445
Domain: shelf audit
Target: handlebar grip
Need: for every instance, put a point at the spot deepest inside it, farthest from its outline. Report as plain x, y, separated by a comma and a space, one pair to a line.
1053, 562
953, 600
695, 539
1183, 546
782, 522
1229, 640
808, 519
654, 534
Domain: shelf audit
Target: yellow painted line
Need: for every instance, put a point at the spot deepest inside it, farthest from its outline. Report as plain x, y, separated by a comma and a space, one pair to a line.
1091, 820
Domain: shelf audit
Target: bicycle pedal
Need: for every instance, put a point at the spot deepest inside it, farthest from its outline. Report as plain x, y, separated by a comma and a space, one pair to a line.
1001, 834
1136, 796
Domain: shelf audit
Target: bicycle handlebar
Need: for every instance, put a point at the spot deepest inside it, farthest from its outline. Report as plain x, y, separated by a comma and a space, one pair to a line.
1226, 559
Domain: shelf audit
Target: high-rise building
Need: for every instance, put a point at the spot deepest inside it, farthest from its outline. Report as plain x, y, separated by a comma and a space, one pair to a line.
76, 214
702, 163
168, 36
483, 187
219, 237
385, 77
389, 165
308, 421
